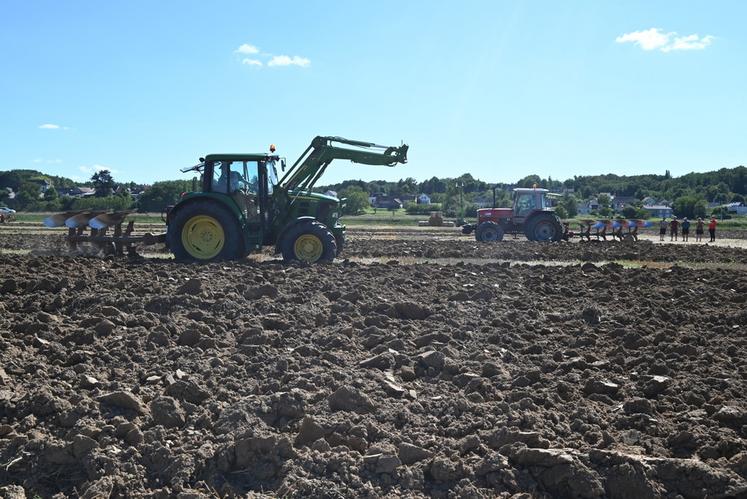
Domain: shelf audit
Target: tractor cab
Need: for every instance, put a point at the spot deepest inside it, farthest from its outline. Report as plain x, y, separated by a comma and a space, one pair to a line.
529, 200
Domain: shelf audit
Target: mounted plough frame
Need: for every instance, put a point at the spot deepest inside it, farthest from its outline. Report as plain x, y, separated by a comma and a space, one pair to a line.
100, 223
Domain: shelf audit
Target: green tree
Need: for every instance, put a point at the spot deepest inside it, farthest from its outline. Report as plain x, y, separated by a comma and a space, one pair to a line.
103, 183
356, 201
629, 212
27, 197
690, 206
604, 201
162, 194
568, 202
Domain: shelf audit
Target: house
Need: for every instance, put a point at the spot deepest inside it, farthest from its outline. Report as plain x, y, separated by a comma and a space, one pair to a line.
76, 192
737, 208
387, 202
424, 199
658, 210
44, 185
586, 207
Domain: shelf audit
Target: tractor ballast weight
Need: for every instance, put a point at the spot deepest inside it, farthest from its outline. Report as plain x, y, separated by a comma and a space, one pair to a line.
530, 215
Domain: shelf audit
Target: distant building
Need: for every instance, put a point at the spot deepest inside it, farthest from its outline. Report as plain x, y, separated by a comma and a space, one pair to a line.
586, 207
424, 199
658, 211
737, 208
387, 202
76, 192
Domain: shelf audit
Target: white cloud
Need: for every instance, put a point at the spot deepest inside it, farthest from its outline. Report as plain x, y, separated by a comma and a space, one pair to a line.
49, 126
95, 168
284, 60
260, 59
656, 39
690, 42
55, 161
245, 48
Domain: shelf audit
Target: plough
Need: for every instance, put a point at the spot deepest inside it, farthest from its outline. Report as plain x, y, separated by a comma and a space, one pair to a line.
100, 222
624, 230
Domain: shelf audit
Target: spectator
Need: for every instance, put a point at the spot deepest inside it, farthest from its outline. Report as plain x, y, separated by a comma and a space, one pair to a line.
673, 229
699, 230
662, 229
685, 230
712, 229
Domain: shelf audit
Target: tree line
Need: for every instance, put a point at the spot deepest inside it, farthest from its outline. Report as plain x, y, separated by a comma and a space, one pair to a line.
689, 194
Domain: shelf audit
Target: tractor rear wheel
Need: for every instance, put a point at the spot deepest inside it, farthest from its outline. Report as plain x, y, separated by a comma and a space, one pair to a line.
309, 242
544, 227
488, 232
205, 231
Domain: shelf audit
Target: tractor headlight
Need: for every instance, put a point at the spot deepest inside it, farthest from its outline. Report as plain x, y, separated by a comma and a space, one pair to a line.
335, 215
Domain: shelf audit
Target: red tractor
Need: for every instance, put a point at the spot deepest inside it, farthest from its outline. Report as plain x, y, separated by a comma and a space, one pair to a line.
531, 215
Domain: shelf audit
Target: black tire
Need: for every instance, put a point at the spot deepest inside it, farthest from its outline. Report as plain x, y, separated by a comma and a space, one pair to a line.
488, 232
233, 244
292, 251
544, 227
467, 229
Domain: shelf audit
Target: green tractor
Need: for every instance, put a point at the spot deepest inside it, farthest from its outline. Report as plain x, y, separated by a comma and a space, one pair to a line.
241, 205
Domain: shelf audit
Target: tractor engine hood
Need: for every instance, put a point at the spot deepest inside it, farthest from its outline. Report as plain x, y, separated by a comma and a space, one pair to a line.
494, 213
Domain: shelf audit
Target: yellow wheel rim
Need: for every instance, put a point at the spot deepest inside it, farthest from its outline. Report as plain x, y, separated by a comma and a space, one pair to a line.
203, 237
308, 248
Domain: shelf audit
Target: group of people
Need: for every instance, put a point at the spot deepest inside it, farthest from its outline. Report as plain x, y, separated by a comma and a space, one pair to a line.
675, 226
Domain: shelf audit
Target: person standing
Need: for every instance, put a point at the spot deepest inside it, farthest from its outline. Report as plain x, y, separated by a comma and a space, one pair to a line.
673, 229
685, 230
699, 230
662, 229
712, 229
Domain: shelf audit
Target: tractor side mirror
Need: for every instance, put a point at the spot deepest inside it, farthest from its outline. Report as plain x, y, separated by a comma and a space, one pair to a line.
282, 164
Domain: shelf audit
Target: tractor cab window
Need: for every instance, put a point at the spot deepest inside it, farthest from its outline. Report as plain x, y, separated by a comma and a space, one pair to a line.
220, 177
525, 204
244, 187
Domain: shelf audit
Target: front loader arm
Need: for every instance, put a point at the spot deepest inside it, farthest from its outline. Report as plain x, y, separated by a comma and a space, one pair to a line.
316, 158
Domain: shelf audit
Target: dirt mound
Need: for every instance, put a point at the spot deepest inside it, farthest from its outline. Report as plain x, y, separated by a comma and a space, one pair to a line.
375, 380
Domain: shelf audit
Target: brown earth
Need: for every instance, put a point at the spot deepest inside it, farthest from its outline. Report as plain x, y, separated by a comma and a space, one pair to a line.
146, 377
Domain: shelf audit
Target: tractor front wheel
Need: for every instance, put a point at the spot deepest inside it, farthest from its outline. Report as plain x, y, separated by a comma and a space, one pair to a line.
309, 242
544, 227
205, 231
488, 232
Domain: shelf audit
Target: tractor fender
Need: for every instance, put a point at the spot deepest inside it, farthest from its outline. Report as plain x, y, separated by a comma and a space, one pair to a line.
287, 227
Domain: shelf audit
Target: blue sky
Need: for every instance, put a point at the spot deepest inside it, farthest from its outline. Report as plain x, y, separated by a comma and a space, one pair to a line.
499, 89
